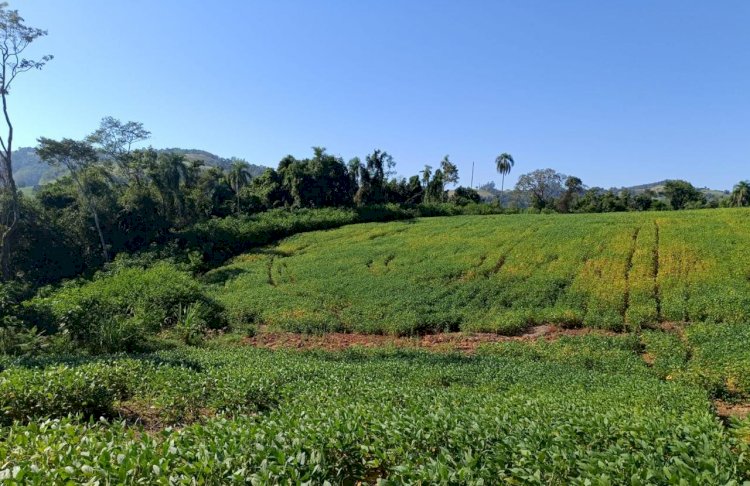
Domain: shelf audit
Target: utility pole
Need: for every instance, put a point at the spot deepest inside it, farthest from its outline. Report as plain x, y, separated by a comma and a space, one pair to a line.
472, 175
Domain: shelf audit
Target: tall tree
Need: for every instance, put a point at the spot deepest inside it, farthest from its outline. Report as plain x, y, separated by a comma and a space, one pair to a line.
543, 185
426, 174
115, 140
450, 171
15, 37
741, 194
504, 163
435, 190
77, 157
237, 178
168, 174
373, 177
573, 189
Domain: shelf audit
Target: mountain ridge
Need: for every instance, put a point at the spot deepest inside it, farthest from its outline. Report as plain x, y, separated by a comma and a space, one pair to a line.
30, 171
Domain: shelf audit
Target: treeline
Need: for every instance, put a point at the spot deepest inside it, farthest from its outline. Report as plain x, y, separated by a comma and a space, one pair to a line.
113, 198
550, 191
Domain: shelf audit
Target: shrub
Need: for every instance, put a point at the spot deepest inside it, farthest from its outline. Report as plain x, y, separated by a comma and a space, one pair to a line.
116, 310
52, 392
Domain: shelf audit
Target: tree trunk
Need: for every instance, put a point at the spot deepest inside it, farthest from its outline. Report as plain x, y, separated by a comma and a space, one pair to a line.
105, 253
8, 234
92, 210
10, 205
502, 190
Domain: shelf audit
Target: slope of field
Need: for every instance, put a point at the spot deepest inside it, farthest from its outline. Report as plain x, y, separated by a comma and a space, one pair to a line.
499, 274
572, 411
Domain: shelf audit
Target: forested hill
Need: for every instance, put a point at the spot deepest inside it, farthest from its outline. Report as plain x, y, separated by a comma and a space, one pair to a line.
658, 188
29, 171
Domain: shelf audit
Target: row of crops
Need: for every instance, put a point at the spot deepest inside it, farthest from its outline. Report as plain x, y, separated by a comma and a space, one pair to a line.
499, 273
584, 410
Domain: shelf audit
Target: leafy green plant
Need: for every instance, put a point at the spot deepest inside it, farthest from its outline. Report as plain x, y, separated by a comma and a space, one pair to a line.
190, 324
572, 411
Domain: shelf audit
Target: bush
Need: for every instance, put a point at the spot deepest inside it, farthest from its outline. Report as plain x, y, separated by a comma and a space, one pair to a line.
52, 392
115, 311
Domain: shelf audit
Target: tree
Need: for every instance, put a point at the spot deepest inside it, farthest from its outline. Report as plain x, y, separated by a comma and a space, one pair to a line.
237, 178
465, 195
373, 178
426, 174
682, 194
115, 140
167, 175
450, 171
435, 189
643, 201
15, 37
77, 157
543, 185
573, 189
504, 163
741, 194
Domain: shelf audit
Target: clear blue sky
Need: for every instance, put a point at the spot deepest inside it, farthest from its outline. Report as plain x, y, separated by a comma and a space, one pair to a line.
615, 92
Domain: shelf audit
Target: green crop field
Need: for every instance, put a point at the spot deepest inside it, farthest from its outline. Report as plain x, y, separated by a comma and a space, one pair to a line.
574, 411
499, 274
656, 393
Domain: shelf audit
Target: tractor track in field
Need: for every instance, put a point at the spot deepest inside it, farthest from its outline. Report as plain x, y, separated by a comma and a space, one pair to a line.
657, 290
628, 269
271, 281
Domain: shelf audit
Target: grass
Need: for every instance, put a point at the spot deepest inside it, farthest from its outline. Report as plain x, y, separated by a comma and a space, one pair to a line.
498, 273
575, 411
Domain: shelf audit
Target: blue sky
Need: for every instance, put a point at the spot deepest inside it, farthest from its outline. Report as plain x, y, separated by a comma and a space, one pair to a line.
615, 92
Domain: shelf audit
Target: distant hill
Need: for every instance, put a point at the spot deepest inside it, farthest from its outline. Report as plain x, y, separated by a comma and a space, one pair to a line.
658, 188
29, 171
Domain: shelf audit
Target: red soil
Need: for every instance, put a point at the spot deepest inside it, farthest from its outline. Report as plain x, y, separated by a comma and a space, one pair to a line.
449, 341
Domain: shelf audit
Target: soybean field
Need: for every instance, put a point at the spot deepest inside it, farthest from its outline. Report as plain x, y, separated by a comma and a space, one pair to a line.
499, 273
645, 379
584, 410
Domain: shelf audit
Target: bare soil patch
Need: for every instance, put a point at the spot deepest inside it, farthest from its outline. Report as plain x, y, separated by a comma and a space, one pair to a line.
448, 341
725, 410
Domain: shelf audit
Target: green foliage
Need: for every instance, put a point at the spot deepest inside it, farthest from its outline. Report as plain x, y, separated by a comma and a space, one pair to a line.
666, 352
464, 195
720, 358
191, 325
682, 195
16, 337
219, 239
116, 310
55, 391
577, 411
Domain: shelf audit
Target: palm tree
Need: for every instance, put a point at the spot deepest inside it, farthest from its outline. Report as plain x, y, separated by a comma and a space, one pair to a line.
741, 194
504, 163
426, 174
168, 174
237, 178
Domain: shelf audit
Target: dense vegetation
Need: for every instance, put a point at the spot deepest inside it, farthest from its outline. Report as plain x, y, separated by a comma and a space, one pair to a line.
575, 411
